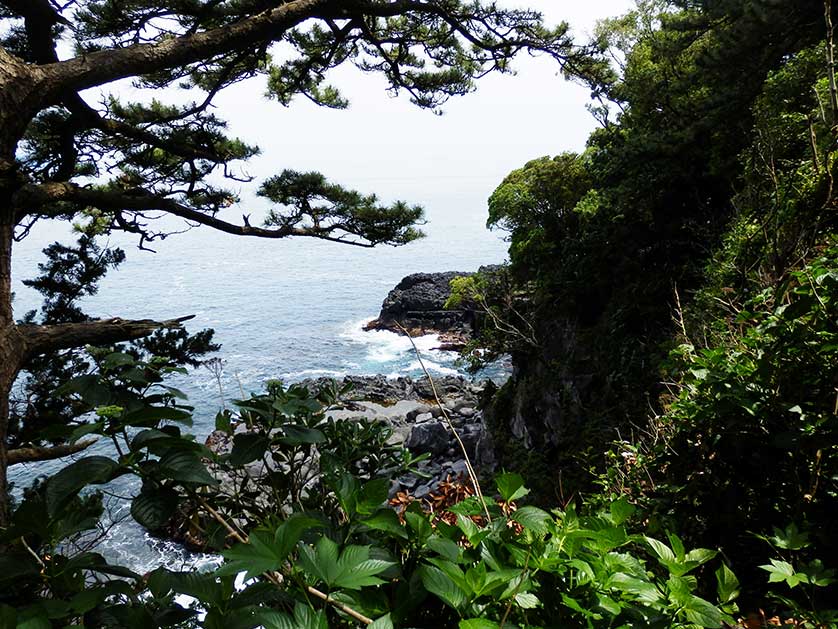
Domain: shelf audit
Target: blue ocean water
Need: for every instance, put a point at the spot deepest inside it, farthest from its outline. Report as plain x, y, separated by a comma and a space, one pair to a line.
285, 309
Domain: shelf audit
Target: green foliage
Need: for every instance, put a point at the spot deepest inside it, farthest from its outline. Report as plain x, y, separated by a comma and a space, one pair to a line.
336, 536
285, 451
706, 98
42, 413
699, 225
537, 206
309, 196
434, 573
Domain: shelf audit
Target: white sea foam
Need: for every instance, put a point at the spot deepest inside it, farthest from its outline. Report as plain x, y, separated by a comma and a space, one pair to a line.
384, 346
305, 373
433, 367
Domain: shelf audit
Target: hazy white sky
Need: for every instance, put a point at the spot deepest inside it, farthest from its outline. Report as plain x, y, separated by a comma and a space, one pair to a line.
386, 145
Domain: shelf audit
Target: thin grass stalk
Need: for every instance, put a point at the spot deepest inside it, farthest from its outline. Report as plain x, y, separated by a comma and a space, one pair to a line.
469, 467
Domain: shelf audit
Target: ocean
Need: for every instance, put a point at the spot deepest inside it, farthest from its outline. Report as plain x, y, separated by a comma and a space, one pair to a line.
286, 309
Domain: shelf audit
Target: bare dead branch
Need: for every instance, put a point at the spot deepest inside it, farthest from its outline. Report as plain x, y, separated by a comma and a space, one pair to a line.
38, 453
38, 339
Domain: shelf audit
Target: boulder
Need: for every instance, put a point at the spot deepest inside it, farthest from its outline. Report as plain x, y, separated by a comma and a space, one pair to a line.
431, 437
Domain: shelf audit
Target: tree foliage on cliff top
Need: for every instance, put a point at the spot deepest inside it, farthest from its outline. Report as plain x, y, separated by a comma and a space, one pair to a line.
708, 219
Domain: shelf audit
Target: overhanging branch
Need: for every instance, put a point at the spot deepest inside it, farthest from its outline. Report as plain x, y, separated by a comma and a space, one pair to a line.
98, 68
38, 339
42, 195
38, 453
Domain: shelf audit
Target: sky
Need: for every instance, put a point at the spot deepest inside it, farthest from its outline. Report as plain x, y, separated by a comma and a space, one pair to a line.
388, 146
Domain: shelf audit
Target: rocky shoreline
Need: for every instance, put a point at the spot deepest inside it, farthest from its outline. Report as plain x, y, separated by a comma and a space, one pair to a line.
417, 304
407, 406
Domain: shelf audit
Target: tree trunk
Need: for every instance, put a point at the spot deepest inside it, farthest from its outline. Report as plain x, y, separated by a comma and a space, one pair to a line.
9, 354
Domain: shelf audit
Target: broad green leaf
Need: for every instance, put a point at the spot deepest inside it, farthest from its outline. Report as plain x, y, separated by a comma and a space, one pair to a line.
573, 604
418, 523
89, 389
702, 613
117, 359
527, 600
468, 527
382, 623
307, 618
444, 546
248, 447
204, 586
532, 518
609, 605
677, 546
437, 582
153, 509
186, 467
700, 556
781, 571
511, 486
621, 510
85, 429
291, 531
386, 520
327, 554
267, 551
153, 414
246, 558
373, 494
478, 623
727, 585
346, 489
89, 470
637, 587
354, 576
469, 506
294, 435
351, 569
663, 552
271, 619
790, 538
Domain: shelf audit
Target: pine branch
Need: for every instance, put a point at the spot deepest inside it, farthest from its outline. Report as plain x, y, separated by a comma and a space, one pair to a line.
37, 196
38, 453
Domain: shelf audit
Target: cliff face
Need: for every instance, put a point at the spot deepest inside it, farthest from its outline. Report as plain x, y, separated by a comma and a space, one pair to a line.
567, 402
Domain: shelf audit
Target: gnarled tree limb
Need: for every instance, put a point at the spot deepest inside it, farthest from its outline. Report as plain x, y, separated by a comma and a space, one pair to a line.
98, 68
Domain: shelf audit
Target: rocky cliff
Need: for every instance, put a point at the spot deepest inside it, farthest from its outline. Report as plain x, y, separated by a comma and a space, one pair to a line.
417, 304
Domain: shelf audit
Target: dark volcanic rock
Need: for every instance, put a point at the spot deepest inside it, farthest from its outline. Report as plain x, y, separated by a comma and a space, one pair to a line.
431, 437
418, 304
